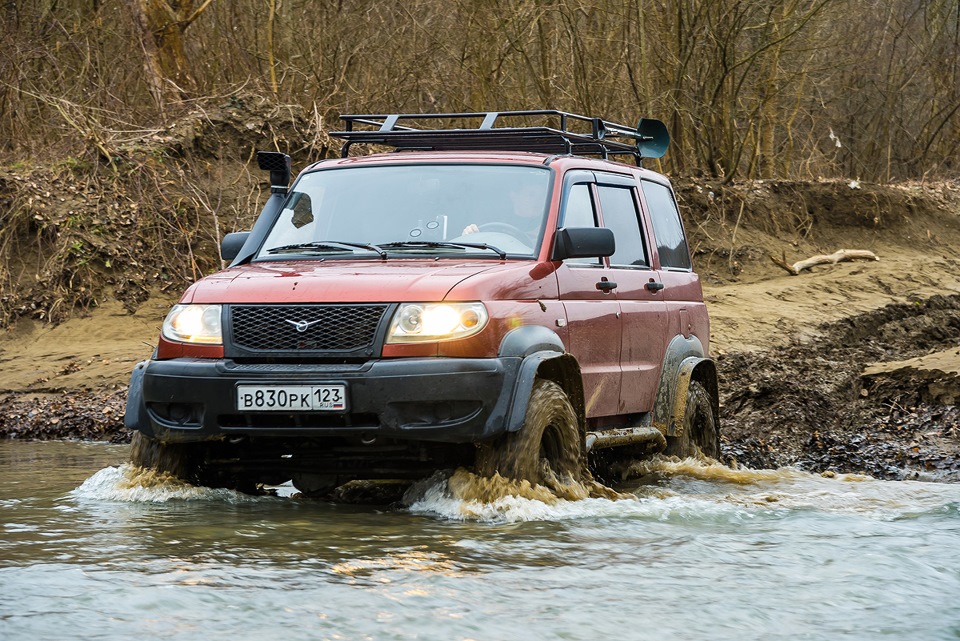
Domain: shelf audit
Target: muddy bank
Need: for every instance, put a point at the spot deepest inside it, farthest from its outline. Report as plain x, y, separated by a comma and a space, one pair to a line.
850, 400
75, 414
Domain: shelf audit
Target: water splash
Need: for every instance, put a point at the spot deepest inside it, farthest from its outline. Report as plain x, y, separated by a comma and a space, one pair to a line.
787, 489
133, 484
666, 488
707, 469
661, 488
465, 496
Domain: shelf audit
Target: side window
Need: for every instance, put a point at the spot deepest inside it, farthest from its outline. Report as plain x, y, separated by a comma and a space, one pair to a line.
578, 212
619, 210
671, 243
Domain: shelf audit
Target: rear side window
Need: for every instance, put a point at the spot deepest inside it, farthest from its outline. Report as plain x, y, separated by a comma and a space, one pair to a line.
671, 243
619, 210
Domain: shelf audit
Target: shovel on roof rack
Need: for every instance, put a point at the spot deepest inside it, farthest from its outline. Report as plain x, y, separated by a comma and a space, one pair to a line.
559, 132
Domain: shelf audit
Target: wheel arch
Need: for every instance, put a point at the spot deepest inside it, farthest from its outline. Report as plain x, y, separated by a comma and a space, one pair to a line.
683, 362
544, 357
135, 412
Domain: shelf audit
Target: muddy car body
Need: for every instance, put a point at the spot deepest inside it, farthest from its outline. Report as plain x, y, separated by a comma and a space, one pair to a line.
482, 300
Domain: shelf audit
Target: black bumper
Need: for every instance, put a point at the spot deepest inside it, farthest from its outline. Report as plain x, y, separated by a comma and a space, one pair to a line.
443, 400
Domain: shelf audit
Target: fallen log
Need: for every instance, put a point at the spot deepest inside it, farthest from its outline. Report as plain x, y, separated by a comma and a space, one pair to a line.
839, 256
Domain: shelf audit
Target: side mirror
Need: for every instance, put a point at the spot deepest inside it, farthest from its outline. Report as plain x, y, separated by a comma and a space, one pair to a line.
232, 244
583, 242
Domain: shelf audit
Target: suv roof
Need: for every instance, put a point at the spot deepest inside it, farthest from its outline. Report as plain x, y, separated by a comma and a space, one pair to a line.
559, 132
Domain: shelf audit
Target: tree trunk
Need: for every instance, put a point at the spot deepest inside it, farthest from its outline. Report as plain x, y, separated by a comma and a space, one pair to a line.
161, 24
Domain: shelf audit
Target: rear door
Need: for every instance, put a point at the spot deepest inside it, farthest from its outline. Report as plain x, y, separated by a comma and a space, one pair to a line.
639, 293
682, 292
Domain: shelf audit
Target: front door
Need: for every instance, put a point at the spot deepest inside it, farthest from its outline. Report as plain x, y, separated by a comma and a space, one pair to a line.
588, 294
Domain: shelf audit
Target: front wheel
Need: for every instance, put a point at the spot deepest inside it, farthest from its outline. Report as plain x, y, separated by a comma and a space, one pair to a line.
189, 462
547, 450
699, 434
181, 460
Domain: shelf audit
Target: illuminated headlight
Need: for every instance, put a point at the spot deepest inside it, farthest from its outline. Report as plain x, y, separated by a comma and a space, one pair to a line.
419, 322
193, 324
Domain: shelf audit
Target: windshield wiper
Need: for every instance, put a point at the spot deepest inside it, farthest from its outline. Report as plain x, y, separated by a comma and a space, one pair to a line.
328, 244
434, 243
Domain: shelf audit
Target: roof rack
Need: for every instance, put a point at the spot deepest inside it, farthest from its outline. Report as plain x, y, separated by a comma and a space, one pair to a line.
572, 134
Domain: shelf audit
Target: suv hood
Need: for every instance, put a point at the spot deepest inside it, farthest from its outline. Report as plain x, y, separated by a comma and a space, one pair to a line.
345, 281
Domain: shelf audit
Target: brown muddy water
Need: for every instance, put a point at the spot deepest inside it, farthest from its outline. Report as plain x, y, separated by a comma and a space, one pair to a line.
91, 550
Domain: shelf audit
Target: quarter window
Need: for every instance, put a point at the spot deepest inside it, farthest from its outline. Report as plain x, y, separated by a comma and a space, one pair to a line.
671, 243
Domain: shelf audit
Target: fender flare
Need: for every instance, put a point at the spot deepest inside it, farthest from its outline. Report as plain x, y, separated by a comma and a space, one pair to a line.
684, 361
135, 413
543, 356
702, 370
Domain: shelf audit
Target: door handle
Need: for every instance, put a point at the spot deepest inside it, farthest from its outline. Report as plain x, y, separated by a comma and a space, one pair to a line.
606, 285
654, 286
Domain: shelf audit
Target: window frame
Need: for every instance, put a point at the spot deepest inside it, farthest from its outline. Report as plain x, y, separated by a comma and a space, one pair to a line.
571, 179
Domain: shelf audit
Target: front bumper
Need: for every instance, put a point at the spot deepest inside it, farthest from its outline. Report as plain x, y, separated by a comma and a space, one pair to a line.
444, 400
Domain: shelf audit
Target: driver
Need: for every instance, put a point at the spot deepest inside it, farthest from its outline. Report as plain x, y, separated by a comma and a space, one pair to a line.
527, 202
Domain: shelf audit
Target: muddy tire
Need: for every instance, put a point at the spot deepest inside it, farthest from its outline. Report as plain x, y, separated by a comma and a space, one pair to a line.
700, 435
181, 460
548, 448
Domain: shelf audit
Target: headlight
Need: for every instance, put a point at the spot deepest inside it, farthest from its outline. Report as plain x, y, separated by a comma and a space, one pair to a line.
193, 324
420, 322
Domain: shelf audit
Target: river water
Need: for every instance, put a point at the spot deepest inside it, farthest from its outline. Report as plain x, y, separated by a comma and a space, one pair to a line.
93, 550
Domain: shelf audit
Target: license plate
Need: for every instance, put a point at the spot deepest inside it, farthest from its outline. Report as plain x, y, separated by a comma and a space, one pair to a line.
292, 398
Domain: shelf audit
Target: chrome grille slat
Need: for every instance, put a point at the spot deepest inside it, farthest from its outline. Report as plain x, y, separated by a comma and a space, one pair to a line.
326, 328
296, 368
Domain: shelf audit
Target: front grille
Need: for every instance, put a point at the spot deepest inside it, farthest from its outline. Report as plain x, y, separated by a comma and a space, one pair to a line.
313, 328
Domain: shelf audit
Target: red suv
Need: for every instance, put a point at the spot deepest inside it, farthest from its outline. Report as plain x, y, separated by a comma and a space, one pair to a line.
506, 298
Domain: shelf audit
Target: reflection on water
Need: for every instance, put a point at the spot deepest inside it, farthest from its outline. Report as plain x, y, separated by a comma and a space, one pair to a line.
93, 548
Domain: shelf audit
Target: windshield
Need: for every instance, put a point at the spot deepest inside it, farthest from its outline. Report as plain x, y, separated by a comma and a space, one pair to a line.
484, 210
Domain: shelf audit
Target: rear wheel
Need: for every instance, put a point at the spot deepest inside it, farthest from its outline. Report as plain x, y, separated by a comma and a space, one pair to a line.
547, 449
700, 434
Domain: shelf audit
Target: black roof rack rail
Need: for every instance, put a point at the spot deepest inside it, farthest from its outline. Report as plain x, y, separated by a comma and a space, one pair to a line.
573, 134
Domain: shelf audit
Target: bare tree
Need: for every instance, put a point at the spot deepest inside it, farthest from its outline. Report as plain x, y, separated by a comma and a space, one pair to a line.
748, 88
162, 24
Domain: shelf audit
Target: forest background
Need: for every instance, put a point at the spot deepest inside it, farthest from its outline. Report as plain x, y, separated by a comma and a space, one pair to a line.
749, 88
127, 127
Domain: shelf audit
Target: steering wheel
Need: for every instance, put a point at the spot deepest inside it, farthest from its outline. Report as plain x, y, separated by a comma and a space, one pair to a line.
506, 228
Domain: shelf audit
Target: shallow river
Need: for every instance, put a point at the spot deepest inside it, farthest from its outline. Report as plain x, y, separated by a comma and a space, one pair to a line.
91, 551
